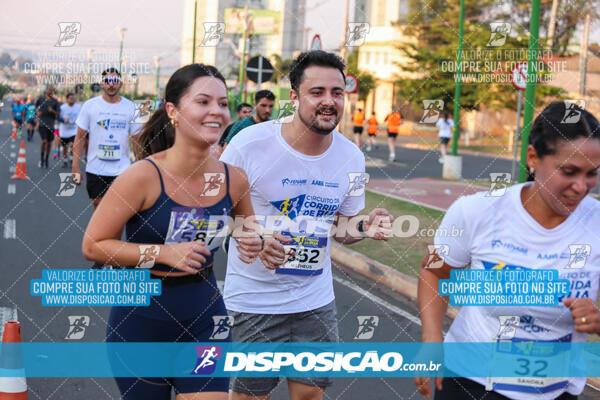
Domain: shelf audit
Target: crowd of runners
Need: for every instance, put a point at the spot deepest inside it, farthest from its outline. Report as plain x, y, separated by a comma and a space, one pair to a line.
299, 174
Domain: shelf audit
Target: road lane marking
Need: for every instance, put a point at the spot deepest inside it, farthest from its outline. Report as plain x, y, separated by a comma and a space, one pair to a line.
12, 188
10, 229
12, 169
13, 155
377, 300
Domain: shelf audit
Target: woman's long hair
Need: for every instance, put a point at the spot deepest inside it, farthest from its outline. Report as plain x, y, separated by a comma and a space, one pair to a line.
158, 134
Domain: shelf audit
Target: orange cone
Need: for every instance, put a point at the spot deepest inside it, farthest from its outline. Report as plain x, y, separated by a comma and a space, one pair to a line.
13, 136
13, 385
21, 171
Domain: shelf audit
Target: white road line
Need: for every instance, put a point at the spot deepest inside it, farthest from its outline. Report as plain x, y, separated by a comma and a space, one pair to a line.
13, 146
377, 300
13, 155
12, 169
12, 188
7, 314
10, 229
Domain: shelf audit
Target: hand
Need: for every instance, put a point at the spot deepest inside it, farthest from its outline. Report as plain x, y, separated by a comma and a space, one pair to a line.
76, 174
249, 246
424, 385
584, 313
273, 255
187, 256
379, 224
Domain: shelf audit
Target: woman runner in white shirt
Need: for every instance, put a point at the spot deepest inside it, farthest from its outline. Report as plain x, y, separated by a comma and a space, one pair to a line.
549, 222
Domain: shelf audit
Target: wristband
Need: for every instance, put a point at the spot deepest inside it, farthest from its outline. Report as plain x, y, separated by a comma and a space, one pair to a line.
360, 227
262, 244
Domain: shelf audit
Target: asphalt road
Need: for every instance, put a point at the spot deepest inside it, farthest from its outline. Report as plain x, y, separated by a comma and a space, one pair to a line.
44, 231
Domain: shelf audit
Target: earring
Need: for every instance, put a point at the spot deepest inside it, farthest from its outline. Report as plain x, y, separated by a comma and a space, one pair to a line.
174, 122
531, 171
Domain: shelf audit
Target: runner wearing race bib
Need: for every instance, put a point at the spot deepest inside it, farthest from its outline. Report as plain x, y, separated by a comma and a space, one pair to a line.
302, 175
109, 120
30, 118
67, 128
547, 224
175, 212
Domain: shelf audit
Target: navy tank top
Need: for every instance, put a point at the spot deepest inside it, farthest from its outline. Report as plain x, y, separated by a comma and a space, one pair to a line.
167, 222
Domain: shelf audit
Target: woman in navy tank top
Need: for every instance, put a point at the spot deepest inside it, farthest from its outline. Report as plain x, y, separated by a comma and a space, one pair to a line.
178, 199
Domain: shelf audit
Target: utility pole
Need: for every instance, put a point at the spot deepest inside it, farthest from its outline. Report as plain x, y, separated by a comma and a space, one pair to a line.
89, 74
552, 23
457, 83
121, 31
194, 35
344, 55
585, 36
534, 31
157, 64
242, 75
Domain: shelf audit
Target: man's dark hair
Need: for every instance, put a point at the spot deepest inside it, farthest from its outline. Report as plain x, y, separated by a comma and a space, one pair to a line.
263, 94
69, 94
239, 108
309, 58
111, 70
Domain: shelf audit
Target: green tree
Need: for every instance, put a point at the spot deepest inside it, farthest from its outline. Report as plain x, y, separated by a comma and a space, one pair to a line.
5, 89
366, 81
281, 68
431, 55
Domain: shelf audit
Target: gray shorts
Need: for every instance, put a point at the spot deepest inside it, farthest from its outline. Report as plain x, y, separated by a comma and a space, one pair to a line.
319, 325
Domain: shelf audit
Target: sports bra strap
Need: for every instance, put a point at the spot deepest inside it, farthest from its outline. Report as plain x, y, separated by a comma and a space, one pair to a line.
162, 185
226, 177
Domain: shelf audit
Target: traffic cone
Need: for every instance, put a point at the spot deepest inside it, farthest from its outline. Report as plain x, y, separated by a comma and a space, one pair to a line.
21, 171
13, 385
13, 136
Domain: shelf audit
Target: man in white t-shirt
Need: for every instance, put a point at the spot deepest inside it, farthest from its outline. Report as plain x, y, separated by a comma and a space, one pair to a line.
108, 119
305, 178
67, 129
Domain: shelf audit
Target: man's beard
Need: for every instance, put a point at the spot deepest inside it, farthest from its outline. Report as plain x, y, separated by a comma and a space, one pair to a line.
314, 124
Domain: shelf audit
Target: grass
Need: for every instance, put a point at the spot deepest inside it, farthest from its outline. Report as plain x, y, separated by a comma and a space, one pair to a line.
402, 254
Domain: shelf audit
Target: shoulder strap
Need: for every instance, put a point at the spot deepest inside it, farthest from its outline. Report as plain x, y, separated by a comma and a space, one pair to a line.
226, 176
162, 185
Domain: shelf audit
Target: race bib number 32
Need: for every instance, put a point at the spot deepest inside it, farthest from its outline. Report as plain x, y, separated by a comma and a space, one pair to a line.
309, 255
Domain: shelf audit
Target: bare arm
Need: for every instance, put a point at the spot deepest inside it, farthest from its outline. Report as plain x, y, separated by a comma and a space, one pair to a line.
77, 148
377, 226
126, 196
432, 306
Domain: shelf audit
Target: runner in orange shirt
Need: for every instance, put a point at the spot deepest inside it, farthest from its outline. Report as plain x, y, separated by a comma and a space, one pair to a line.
372, 132
358, 118
393, 125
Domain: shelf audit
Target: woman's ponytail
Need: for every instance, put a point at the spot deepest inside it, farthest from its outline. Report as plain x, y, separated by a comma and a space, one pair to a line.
157, 134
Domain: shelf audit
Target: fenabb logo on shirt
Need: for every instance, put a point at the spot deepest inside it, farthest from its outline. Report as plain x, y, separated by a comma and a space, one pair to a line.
112, 124
288, 181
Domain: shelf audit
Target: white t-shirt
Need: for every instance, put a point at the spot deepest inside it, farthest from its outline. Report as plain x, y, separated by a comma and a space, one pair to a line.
109, 126
445, 127
500, 234
305, 192
67, 130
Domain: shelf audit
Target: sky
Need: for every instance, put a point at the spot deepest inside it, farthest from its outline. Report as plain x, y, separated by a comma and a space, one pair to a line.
153, 28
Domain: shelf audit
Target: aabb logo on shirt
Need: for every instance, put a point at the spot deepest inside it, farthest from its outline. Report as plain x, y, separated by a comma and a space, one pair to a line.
289, 207
207, 359
112, 124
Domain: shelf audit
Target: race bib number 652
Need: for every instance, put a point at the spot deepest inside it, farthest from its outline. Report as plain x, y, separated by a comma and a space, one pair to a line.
309, 255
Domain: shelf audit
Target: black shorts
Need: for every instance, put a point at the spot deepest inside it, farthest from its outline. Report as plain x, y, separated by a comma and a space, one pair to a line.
444, 140
462, 388
372, 134
392, 134
358, 129
46, 133
66, 141
97, 185
31, 122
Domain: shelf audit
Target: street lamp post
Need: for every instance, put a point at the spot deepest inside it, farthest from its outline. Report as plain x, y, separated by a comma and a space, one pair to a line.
121, 31
157, 64
89, 77
134, 76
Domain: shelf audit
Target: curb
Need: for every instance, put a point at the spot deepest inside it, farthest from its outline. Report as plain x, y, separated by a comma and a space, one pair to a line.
395, 280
